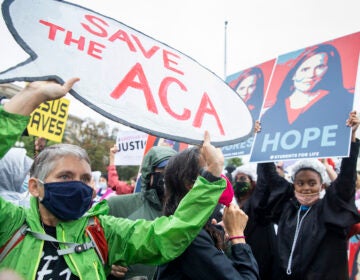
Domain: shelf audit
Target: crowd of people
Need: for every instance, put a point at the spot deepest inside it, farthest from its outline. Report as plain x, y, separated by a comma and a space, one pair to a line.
192, 219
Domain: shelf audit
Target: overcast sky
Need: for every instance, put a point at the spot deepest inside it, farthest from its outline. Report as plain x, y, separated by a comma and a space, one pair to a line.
257, 30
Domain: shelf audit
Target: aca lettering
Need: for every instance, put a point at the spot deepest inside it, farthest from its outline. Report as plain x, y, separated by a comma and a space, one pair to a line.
136, 79
297, 139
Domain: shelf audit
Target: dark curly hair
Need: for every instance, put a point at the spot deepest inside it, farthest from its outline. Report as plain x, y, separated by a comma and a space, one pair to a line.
180, 175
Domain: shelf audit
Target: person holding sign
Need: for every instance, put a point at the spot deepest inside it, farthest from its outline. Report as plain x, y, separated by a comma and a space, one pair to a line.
15, 114
56, 244
312, 231
120, 187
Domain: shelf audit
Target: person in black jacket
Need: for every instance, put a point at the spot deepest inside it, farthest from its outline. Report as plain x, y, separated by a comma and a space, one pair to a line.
312, 232
260, 235
205, 257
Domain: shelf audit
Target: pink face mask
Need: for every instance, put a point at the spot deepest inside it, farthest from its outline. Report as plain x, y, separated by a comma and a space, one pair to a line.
307, 199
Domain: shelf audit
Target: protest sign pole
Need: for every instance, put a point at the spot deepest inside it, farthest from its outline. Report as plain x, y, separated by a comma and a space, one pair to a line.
225, 48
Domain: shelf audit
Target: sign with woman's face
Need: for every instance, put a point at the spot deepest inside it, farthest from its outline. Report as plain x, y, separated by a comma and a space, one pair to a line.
311, 94
247, 87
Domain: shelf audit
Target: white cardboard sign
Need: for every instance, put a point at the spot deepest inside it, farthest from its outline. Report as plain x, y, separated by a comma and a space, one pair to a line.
124, 74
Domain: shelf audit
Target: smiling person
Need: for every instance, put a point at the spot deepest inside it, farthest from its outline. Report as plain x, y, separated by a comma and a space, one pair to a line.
312, 231
55, 245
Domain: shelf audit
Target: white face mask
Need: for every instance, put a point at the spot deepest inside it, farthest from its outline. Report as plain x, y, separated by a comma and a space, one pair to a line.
307, 199
322, 193
102, 185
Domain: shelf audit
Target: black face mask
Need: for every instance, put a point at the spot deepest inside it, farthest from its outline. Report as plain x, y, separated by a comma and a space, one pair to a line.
158, 184
241, 188
67, 200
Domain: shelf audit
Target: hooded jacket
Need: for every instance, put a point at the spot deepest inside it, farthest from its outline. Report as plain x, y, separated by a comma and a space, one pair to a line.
151, 242
143, 205
14, 166
321, 248
130, 242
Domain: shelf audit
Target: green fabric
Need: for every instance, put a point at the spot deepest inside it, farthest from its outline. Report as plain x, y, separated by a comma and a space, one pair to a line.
144, 205
11, 128
130, 242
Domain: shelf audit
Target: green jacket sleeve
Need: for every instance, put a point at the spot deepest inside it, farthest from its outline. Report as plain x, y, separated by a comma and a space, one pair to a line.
165, 238
11, 219
11, 127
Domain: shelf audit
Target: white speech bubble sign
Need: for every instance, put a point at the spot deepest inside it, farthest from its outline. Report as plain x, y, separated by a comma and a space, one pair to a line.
124, 74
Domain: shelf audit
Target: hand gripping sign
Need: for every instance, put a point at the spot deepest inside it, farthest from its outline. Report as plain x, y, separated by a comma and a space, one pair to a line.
124, 74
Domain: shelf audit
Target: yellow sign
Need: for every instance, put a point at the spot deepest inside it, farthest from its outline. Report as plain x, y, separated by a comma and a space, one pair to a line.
49, 119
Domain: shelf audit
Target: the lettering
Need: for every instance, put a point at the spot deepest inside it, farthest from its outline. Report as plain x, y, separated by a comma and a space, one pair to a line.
330, 131
93, 48
206, 107
53, 29
247, 143
63, 110
131, 145
123, 36
55, 107
99, 27
292, 139
150, 52
42, 122
136, 79
80, 42
168, 61
163, 92
96, 22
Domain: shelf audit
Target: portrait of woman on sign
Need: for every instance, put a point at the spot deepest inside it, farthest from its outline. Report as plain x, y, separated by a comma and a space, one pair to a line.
250, 87
310, 102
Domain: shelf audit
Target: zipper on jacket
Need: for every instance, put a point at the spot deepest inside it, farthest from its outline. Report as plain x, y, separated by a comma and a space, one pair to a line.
95, 264
71, 258
38, 260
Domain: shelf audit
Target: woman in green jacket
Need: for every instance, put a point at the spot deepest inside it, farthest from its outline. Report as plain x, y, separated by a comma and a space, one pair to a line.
61, 190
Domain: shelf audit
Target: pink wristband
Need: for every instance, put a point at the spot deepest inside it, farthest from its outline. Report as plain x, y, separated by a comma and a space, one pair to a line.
236, 237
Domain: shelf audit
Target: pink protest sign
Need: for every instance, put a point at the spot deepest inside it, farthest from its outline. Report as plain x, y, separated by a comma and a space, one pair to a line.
124, 74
